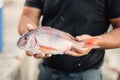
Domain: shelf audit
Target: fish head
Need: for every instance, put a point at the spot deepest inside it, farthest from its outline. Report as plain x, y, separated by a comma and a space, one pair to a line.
27, 41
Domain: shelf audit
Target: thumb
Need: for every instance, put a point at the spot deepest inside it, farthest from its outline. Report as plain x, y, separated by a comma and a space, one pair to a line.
83, 37
30, 27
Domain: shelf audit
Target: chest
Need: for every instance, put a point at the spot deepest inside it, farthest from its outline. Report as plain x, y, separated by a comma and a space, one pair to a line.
76, 7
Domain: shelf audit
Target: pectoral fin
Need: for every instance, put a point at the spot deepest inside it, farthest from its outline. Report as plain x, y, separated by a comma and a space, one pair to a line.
47, 49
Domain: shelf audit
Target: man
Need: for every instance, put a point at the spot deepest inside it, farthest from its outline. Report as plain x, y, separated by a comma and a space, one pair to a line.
83, 19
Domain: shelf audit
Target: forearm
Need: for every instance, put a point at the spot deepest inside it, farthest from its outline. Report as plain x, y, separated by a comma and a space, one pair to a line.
22, 28
29, 16
110, 40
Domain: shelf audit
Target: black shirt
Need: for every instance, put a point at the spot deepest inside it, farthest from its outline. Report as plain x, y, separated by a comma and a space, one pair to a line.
80, 17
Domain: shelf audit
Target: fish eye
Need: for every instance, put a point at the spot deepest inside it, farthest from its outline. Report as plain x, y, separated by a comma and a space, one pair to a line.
25, 38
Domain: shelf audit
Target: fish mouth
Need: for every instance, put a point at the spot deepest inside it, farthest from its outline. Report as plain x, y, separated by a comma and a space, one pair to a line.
24, 48
20, 45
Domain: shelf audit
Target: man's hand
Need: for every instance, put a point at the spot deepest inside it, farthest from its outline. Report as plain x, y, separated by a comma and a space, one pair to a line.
77, 50
38, 56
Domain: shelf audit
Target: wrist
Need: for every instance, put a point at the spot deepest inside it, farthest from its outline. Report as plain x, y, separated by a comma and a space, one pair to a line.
106, 41
100, 41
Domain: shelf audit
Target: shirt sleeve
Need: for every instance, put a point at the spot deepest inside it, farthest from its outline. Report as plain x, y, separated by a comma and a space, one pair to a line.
34, 3
114, 9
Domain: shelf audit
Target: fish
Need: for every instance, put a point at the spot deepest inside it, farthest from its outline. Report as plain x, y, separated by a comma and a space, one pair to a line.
50, 40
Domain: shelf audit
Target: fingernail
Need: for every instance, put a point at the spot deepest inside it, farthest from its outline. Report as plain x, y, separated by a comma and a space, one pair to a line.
49, 55
29, 26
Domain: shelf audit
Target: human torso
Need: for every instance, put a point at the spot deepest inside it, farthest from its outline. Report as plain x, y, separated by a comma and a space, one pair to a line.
81, 17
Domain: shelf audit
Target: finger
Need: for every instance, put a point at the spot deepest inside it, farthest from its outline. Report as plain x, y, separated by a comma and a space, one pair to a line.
72, 53
29, 53
30, 27
78, 48
47, 55
77, 51
38, 56
70, 36
77, 54
42, 55
82, 37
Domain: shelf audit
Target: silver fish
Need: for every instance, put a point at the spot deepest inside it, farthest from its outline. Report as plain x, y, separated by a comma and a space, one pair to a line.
48, 40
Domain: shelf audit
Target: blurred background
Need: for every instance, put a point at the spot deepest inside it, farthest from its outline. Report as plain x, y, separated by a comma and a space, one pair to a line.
15, 65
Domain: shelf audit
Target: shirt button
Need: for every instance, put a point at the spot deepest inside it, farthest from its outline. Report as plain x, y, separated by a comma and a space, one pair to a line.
62, 18
79, 64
